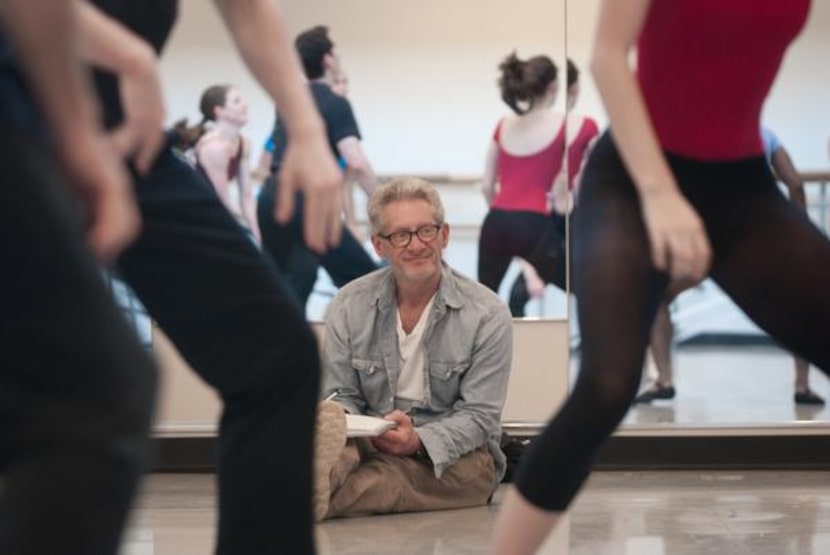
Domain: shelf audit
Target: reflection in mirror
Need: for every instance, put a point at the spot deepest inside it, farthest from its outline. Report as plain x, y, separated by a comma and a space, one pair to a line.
524, 159
427, 99
721, 369
422, 83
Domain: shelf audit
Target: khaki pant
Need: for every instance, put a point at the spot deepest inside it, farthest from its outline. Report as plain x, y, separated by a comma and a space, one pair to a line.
365, 481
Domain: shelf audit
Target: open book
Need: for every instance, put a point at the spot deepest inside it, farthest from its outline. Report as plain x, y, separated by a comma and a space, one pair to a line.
358, 425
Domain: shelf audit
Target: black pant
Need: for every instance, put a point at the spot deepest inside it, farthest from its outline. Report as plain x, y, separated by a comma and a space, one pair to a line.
231, 317
76, 388
532, 236
519, 295
285, 244
768, 258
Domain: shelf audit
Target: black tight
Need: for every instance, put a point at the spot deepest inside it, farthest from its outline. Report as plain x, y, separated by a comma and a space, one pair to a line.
285, 244
767, 256
77, 391
519, 294
529, 235
235, 321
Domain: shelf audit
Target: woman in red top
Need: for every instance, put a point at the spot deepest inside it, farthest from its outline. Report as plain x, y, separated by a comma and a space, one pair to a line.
523, 161
581, 134
222, 154
681, 191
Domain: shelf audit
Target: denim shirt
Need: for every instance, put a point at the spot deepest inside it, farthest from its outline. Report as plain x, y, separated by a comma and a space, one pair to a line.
468, 340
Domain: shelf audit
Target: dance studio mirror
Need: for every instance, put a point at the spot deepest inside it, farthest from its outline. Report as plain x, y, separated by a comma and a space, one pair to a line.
422, 82
423, 85
726, 371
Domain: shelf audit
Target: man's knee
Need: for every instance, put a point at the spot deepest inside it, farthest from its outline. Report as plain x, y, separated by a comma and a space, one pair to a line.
392, 484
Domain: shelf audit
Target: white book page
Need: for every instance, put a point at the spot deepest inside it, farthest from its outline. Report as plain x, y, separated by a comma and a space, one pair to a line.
359, 425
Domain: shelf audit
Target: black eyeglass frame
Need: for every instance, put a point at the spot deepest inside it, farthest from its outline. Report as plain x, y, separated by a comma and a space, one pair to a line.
403, 243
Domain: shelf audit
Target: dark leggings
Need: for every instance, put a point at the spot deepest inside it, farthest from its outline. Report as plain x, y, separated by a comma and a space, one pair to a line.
76, 388
767, 256
234, 320
519, 295
508, 234
285, 244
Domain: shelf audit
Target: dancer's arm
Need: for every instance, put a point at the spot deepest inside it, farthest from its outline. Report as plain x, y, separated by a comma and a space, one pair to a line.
107, 44
785, 170
488, 181
44, 33
678, 241
213, 157
247, 200
260, 35
357, 164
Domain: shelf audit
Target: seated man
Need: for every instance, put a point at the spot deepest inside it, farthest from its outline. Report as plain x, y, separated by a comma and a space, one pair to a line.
424, 346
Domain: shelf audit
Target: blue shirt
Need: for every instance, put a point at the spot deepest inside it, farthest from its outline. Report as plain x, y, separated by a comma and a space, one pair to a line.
468, 341
771, 143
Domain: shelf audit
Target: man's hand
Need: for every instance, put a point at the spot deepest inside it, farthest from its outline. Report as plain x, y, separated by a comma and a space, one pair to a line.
309, 166
402, 441
99, 179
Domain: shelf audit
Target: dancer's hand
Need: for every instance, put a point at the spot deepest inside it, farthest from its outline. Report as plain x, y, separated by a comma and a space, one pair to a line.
559, 198
140, 137
355, 230
535, 284
309, 166
402, 440
100, 180
679, 245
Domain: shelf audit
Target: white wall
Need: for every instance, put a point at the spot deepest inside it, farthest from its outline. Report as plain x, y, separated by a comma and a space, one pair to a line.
423, 80
799, 105
538, 381
797, 109
422, 74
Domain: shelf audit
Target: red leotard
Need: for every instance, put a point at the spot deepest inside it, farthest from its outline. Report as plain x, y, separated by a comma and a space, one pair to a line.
524, 181
706, 66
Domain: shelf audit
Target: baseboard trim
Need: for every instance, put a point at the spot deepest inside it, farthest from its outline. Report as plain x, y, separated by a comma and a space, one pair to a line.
184, 454
728, 340
770, 452
783, 452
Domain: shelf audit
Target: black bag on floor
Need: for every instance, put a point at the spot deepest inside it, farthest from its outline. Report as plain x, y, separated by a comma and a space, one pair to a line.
513, 448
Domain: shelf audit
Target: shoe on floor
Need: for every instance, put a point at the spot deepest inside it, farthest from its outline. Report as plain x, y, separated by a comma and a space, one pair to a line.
807, 397
329, 441
656, 391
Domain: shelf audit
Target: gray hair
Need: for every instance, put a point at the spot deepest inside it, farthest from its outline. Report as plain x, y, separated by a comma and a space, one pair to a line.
403, 188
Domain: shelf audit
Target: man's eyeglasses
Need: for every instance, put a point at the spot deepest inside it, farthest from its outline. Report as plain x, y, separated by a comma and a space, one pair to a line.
400, 239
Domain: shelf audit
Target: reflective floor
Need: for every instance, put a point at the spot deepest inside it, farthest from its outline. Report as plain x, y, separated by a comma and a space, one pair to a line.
741, 384
618, 513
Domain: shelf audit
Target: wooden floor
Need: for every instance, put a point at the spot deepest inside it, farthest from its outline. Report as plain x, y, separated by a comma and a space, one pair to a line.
742, 384
643, 513
647, 513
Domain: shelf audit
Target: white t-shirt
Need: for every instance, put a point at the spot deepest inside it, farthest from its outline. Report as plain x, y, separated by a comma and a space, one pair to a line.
412, 357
